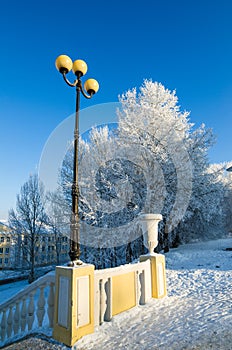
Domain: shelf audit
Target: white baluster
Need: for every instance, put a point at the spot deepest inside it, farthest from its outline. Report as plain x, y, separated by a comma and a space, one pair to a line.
3, 325
51, 305
16, 318
108, 290
23, 314
102, 300
142, 284
40, 306
31, 311
9, 323
137, 287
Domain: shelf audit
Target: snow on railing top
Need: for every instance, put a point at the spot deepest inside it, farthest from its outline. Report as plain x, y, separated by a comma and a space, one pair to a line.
44, 280
112, 271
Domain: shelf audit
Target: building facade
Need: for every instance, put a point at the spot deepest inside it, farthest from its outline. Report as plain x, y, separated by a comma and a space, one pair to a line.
5, 247
49, 249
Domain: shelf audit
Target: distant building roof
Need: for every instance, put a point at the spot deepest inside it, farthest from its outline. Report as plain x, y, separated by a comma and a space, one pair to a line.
4, 227
4, 223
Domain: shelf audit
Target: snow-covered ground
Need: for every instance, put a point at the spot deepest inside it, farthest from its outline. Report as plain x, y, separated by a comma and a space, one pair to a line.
10, 289
196, 314
39, 271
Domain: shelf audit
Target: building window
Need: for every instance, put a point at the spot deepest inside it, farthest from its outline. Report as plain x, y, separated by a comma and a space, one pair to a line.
2, 239
6, 260
0, 260
43, 248
7, 250
1, 250
8, 239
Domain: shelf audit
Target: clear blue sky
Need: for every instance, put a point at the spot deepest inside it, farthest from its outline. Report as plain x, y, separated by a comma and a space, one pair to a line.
186, 45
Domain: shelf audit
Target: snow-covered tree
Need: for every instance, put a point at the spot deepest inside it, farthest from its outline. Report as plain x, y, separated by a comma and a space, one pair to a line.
227, 204
157, 162
207, 212
111, 193
191, 190
58, 219
28, 220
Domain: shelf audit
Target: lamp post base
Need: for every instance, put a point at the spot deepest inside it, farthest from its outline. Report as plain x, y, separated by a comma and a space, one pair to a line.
75, 263
74, 252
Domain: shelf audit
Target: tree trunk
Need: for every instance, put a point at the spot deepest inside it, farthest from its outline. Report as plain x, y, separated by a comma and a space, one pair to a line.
31, 277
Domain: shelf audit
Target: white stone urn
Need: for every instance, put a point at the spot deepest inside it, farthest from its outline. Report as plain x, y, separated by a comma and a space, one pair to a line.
149, 223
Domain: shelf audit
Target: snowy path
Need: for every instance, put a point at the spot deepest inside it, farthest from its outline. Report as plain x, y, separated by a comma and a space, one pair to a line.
197, 314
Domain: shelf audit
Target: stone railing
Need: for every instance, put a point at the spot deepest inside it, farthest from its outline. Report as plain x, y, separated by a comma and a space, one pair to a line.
29, 311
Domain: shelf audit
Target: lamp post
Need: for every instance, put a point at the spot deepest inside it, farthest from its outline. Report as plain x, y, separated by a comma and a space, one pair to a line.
64, 65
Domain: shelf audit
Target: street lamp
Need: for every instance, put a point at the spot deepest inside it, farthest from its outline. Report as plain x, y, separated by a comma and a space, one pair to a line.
64, 65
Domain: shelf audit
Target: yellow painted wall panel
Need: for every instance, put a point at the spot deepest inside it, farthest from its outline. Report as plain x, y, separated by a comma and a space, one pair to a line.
123, 292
